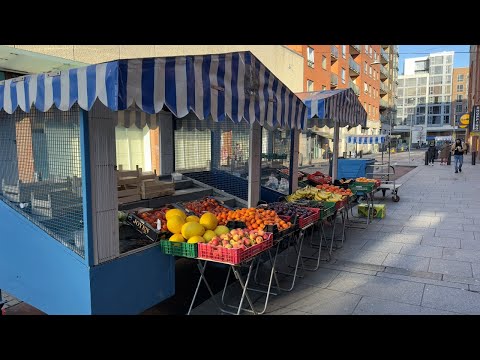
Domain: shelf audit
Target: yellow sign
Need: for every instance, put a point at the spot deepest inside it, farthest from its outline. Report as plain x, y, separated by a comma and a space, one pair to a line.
465, 119
463, 126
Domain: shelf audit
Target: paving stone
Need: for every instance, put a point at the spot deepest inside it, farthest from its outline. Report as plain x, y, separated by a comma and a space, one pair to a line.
362, 256
454, 234
342, 268
401, 238
448, 226
441, 241
470, 244
472, 256
392, 229
328, 302
476, 235
383, 246
357, 265
423, 280
380, 287
418, 231
475, 288
476, 270
373, 306
408, 262
413, 273
450, 267
450, 299
462, 279
320, 278
422, 250
286, 311
353, 243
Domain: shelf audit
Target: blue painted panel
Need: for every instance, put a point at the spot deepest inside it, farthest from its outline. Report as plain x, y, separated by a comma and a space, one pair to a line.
39, 270
134, 283
353, 168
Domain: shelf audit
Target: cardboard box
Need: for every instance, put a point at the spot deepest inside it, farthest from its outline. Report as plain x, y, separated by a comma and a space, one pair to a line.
379, 210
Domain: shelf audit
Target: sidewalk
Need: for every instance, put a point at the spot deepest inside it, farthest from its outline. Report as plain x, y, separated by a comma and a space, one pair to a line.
422, 258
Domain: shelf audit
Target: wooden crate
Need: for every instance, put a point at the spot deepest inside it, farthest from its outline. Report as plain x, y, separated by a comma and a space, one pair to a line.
55, 203
153, 188
131, 185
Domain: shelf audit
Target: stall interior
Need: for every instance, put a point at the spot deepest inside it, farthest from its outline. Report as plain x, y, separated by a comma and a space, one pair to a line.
40, 171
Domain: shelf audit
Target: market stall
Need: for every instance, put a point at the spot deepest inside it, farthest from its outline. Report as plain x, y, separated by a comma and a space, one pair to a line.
77, 147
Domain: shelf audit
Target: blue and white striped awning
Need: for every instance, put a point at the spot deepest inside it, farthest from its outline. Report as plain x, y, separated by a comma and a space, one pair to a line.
234, 85
366, 139
340, 105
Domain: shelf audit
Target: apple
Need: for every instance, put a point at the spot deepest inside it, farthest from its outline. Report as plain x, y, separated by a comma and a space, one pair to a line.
236, 237
261, 232
252, 236
214, 242
228, 246
259, 239
225, 242
265, 236
233, 232
247, 242
243, 247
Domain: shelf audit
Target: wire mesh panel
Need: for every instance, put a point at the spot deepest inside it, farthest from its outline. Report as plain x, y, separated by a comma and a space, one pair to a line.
40, 171
276, 159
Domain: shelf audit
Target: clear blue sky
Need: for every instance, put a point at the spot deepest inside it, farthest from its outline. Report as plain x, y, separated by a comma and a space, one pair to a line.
461, 58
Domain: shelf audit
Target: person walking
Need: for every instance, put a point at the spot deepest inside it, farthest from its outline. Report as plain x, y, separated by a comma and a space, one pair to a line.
431, 153
458, 149
444, 153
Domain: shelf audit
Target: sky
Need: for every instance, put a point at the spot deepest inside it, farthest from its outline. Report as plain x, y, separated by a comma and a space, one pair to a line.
461, 58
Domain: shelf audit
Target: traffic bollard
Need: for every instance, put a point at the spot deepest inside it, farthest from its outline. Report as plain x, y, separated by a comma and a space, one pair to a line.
474, 157
449, 159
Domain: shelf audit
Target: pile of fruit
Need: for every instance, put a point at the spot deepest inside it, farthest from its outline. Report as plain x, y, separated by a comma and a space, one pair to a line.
151, 218
319, 178
335, 189
312, 193
287, 209
239, 239
193, 229
208, 204
366, 180
254, 218
287, 172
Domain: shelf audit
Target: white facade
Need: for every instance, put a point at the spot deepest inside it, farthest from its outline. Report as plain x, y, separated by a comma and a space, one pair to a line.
425, 96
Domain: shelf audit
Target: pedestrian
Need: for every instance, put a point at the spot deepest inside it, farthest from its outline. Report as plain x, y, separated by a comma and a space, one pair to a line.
458, 149
444, 153
431, 153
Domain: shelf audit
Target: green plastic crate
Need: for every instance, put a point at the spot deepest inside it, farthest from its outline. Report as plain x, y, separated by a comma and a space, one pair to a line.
328, 210
361, 187
182, 249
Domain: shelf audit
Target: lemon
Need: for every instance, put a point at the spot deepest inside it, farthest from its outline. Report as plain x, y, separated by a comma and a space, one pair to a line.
196, 239
192, 228
177, 238
209, 221
173, 212
174, 224
192, 218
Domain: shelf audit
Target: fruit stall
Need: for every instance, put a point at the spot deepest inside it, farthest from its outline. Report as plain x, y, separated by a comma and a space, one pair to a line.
91, 193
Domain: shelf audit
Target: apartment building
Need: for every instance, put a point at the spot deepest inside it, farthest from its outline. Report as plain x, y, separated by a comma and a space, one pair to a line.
459, 95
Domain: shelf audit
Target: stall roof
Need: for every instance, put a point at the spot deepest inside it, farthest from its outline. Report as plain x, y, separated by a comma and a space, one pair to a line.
340, 105
234, 85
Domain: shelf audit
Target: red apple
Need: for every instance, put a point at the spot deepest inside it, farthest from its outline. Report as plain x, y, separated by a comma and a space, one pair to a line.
259, 239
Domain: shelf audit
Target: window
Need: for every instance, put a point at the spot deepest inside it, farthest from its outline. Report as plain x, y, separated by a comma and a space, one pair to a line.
434, 109
375, 56
448, 79
324, 87
365, 106
370, 71
401, 82
410, 101
410, 111
435, 99
448, 69
369, 109
446, 119
309, 85
411, 91
344, 51
446, 109
366, 49
435, 90
422, 100
365, 87
421, 65
447, 89
370, 89
420, 120
449, 59
420, 110
460, 77
310, 57
324, 62
434, 120
400, 92
410, 82
374, 75
365, 68
436, 80
371, 51
422, 90
460, 88
446, 98
458, 108
421, 81
343, 76
459, 97
436, 70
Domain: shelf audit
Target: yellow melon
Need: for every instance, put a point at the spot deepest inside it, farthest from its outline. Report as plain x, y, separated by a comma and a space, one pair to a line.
192, 228
209, 235
196, 239
175, 212
174, 224
209, 221
177, 238
192, 218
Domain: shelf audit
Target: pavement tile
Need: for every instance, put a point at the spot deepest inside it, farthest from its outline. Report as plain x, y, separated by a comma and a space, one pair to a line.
454, 234
476, 270
450, 299
409, 262
383, 246
423, 280
470, 244
362, 256
413, 273
380, 287
320, 278
472, 256
401, 238
441, 242
422, 250
450, 267
328, 302
373, 306
462, 279
475, 288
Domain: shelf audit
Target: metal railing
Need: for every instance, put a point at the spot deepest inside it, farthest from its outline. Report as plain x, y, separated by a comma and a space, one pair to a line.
383, 72
383, 88
358, 48
354, 87
334, 51
353, 65
333, 79
384, 55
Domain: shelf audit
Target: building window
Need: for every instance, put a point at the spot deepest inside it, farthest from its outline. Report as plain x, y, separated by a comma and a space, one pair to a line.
375, 56
422, 90
410, 101
371, 51
344, 51
422, 81
400, 92
459, 97
420, 120
434, 109
421, 65
458, 108
370, 71
401, 82
420, 110
324, 87
365, 68
309, 85
460, 77
422, 100
460, 88
365, 87
434, 120
369, 109
410, 82
370, 90
365, 106
449, 59
446, 109
411, 91
310, 57
324, 62
446, 119
366, 49
343, 76
447, 89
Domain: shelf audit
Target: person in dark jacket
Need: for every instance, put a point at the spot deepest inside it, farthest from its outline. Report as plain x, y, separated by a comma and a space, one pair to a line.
458, 149
432, 150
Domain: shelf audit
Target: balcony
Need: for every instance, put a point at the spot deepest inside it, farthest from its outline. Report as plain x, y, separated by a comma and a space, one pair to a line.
384, 46
383, 56
334, 53
383, 89
354, 87
383, 104
355, 50
354, 67
383, 73
333, 80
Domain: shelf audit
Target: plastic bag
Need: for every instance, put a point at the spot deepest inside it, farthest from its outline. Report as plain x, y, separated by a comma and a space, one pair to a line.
272, 182
283, 185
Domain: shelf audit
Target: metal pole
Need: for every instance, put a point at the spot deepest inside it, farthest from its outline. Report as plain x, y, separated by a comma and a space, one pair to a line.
410, 142
389, 137
336, 136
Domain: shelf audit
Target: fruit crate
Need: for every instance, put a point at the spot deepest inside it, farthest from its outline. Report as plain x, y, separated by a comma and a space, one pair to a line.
182, 249
232, 256
327, 210
146, 229
362, 187
310, 219
342, 203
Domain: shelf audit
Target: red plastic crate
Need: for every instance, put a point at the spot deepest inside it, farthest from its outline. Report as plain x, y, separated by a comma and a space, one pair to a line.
232, 256
342, 203
310, 219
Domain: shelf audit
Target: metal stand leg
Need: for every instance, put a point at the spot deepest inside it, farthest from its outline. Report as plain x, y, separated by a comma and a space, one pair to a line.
202, 268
